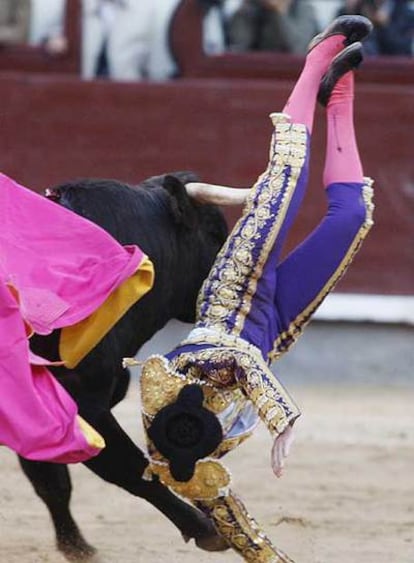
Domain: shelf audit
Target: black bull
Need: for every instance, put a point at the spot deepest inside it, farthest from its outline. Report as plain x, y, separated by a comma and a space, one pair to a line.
182, 239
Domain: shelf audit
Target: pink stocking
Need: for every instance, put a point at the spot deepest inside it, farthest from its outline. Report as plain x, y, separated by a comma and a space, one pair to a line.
301, 103
342, 162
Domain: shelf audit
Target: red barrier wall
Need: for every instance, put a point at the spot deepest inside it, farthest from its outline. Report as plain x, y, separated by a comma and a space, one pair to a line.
55, 127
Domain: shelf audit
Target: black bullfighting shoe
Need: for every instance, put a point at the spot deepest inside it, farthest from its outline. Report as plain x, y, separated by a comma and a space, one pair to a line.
348, 59
354, 28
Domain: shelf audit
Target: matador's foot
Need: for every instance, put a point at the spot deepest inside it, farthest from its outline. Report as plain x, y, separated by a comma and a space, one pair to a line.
348, 59
354, 28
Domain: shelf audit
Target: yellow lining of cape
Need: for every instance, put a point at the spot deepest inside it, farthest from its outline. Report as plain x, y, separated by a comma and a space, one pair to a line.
77, 341
93, 437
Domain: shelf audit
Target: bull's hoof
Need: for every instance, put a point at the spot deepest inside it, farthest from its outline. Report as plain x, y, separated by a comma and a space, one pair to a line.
212, 542
79, 551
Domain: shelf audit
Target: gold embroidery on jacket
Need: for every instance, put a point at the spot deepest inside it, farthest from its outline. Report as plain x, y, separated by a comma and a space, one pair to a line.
159, 385
210, 480
273, 403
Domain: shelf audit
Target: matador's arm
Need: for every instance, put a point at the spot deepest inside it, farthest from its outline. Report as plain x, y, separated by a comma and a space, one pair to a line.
275, 407
273, 403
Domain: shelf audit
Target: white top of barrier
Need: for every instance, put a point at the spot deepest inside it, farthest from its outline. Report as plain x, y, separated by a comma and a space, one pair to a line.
366, 307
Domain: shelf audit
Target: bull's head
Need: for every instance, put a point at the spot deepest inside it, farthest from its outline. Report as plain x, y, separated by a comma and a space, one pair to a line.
202, 193
202, 230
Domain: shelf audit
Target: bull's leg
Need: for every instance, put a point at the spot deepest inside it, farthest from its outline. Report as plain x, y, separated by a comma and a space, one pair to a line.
53, 485
123, 464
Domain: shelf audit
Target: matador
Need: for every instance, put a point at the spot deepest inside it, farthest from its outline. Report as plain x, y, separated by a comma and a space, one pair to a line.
206, 396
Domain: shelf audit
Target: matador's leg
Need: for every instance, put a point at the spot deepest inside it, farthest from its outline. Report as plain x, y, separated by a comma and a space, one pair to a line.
234, 523
311, 271
308, 275
238, 295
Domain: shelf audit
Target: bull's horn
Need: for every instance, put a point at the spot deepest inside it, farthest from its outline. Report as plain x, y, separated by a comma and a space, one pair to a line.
219, 195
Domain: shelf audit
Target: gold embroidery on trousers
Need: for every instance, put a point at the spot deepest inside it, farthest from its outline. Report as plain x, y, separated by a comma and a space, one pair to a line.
232, 282
287, 338
242, 532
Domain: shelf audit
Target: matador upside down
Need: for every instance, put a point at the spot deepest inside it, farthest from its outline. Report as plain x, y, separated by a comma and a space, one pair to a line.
205, 397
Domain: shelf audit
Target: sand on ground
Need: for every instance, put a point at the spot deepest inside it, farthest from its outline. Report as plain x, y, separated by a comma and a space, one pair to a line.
347, 495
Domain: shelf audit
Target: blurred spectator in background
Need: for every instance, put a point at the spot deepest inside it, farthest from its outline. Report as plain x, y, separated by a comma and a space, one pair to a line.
104, 29
285, 26
127, 39
393, 25
214, 26
216, 16
14, 21
47, 26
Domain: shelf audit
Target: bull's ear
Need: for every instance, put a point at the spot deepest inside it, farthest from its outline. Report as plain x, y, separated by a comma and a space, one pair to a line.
181, 206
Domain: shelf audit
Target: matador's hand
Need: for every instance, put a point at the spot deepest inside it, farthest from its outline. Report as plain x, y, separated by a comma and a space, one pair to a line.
280, 450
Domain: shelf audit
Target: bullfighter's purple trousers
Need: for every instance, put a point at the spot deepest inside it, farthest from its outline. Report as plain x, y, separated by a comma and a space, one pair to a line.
268, 301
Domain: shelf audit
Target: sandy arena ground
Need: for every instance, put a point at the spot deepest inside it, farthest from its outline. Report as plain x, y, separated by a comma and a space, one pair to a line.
347, 495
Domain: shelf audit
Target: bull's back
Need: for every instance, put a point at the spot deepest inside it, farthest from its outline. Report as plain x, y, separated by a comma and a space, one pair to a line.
125, 212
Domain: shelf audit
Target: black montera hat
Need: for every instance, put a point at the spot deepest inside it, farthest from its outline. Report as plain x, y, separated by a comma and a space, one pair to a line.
185, 431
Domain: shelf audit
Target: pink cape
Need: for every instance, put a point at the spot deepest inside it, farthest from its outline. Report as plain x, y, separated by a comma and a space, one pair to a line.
63, 267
